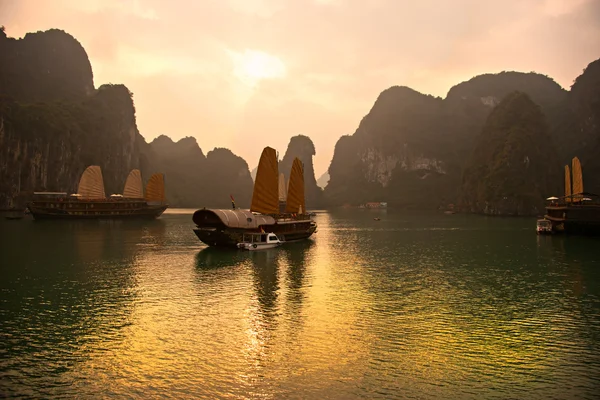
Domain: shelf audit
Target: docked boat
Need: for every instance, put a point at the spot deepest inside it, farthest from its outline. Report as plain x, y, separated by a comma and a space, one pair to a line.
577, 211
90, 201
284, 216
543, 227
259, 241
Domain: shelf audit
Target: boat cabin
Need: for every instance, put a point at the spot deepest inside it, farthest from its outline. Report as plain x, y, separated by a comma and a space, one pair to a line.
260, 238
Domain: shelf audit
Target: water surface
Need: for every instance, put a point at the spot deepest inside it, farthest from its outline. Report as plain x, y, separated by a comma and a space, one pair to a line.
412, 306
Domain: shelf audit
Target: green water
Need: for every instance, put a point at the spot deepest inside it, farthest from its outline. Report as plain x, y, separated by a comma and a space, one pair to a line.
412, 306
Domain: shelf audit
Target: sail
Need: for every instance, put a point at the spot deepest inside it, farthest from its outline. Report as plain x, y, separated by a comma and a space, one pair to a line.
155, 189
265, 198
295, 197
577, 177
282, 188
91, 184
567, 184
133, 185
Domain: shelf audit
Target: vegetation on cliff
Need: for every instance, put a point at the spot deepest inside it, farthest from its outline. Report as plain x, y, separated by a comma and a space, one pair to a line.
585, 103
411, 149
514, 165
54, 123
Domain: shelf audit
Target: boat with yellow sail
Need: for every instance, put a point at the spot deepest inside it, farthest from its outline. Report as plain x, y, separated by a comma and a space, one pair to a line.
90, 201
577, 211
273, 209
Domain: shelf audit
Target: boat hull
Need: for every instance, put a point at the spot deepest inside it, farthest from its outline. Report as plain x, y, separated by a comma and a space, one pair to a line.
231, 237
575, 219
115, 211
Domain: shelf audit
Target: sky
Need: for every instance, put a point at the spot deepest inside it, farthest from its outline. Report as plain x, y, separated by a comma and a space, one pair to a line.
245, 74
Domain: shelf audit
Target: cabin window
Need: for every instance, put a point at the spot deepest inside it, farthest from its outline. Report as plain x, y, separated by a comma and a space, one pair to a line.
272, 237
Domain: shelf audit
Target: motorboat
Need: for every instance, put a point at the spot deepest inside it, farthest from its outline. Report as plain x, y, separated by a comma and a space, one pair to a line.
544, 227
259, 241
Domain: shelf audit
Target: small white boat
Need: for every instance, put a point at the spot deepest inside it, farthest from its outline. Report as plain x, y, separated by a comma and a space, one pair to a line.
259, 241
543, 227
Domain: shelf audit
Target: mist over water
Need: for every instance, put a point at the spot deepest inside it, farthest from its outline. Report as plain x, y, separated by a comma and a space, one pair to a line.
411, 306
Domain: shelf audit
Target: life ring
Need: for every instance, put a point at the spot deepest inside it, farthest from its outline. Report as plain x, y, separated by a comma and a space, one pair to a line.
254, 245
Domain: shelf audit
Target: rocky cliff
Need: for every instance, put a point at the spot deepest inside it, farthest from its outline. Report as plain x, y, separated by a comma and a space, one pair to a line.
514, 165
411, 149
54, 123
302, 147
584, 101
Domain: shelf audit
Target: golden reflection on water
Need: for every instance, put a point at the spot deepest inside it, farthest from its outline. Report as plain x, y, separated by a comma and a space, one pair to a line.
361, 310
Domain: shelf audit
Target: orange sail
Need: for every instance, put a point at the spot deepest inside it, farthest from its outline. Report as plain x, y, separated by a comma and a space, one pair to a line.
577, 177
91, 184
265, 198
155, 189
295, 199
567, 184
133, 185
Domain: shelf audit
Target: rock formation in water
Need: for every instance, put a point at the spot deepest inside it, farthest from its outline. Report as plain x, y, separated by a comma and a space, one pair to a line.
228, 175
54, 123
195, 180
584, 101
302, 147
410, 149
514, 165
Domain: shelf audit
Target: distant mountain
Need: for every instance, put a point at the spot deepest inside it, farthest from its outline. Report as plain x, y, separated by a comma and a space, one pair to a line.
584, 102
323, 180
253, 173
302, 147
411, 149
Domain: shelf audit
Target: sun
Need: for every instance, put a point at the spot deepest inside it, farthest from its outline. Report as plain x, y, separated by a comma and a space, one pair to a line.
252, 66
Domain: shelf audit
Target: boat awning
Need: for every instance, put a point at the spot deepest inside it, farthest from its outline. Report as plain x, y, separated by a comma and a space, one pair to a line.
237, 218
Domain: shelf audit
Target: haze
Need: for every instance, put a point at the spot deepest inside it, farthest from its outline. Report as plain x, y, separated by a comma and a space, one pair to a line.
244, 74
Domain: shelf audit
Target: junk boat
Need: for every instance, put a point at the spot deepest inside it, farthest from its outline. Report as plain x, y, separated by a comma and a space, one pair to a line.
577, 211
259, 241
272, 210
90, 201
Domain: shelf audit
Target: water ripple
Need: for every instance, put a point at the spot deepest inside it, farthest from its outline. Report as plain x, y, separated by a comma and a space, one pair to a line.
411, 306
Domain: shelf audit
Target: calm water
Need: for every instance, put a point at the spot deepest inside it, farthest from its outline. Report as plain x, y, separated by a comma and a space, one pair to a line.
412, 306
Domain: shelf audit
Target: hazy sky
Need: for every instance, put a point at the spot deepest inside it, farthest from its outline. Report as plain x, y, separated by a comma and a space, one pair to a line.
245, 74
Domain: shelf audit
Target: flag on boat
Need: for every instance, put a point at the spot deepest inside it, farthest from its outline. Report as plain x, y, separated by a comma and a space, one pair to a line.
232, 202
262, 230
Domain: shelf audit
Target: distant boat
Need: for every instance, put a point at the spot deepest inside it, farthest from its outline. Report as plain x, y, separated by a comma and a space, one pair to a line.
226, 227
90, 202
577, 211
259, 241
377, 219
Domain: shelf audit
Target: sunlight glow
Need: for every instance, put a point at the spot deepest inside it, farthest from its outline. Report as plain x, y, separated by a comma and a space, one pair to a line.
251, 66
